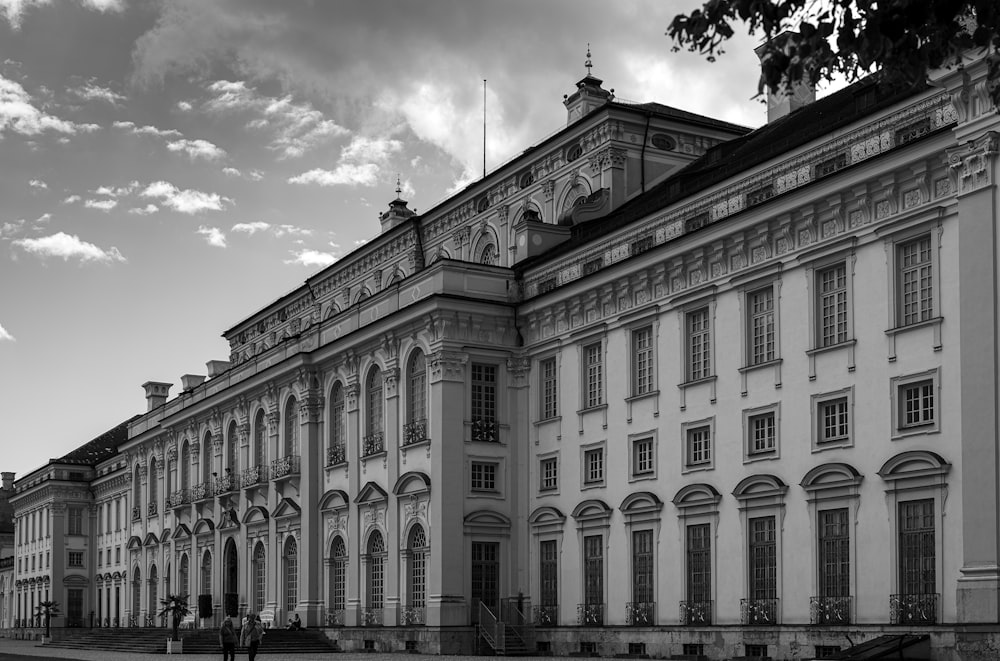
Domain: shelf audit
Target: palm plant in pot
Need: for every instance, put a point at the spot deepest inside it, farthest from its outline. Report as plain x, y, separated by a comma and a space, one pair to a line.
47, 609
175, 606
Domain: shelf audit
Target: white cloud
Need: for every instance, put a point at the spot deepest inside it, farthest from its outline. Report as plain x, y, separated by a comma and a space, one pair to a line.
250, 228
93, 92
232, 172
309, 257
197, 149
18, 114
44, 218
144, 211
184, 106
281, 230
297, 127
117, 191
37, 183
256, 175
346, 174
213, 235
5, 336
103, 205
9, 229
13, 10
147, 130
71, 199
185, 201
68, 247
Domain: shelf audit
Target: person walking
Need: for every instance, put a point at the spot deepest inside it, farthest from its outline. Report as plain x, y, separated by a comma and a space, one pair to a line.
227, 639
252, 634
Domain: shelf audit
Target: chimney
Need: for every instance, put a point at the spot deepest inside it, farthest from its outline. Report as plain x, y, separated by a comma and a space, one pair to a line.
8, 481
156, 394
191, 381
216, 367
785, 101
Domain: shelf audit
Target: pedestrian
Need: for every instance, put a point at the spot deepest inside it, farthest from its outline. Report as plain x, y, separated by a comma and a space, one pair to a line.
227, 639
252, 634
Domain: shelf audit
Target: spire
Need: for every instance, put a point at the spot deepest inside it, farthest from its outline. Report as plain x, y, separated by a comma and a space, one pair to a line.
588, 95
399, 189
588, 63
397, 212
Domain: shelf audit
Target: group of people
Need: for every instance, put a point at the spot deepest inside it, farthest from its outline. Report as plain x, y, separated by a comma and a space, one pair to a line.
249, 637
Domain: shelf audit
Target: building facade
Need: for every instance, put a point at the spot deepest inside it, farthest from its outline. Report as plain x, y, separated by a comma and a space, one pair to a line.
660, 385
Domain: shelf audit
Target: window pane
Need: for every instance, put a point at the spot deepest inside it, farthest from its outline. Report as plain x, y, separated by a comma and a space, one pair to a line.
699, 357
760, 305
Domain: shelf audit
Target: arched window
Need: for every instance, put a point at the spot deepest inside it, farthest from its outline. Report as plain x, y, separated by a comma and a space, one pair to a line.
291, 560
154, 600
153, 495
291, 427
230, 573
338, 580
376, 574
489, 255
259, 577
168, 481
183, 576
185, 466
417, 572
260, 439
231, 446
136, 490
136, 594
335, 453
416, 398
206, 573
206, 458
373, 402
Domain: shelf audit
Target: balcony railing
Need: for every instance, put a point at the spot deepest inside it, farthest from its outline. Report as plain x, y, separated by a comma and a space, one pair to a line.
830, 610
373, 444
913, 608
202, 491
414, 615
590, 615
179, 498
485, 430
371, 617
226, 483
151, 509
285, 466
414, 432
546, 615
695, 613
336, 455
254, 475
759, 612
640, 613
136, 513
335, 617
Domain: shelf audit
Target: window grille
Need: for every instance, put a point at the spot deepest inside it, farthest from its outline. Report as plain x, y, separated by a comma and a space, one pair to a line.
760, 305
763, 433
916, 278
594, 357
699, 348
832, 283
642, 361
834, 420
593, 466
699, 441
549, 389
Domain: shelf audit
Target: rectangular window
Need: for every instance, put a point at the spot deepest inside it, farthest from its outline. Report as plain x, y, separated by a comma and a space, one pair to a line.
485, 576
549, 470
916, 281
642, 457
834, 554
484, 476
484, 392
831, 296
74, 558
917, 553
549, 388
74, 521
763, 560
916, 403
593, 355
699, 564
699, 446
642, 567
699, 358
593, 466
593, 569
642, 361
760, 326
834, 421
548, 573
763, 433
118, 556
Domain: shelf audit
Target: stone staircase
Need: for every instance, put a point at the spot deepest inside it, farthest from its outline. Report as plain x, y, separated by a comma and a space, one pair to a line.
144, 641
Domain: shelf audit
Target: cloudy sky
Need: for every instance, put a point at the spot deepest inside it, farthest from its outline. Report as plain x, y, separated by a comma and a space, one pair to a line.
168, 168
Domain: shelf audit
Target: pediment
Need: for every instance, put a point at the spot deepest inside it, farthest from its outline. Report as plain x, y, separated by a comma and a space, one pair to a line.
286, 508
699, 493
592, 509
371, 493
827, 476
487, 519
256, 514
75, 580
413, 482
230, 519
181, 532
334, 500
150, 540
641, 502
545, 516
756, 486
914, 463
203, 526
133, 543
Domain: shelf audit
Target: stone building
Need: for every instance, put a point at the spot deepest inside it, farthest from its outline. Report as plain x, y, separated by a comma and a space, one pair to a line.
659, 385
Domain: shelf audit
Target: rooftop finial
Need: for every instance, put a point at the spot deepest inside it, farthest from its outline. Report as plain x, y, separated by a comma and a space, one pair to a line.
588, 63
399, 189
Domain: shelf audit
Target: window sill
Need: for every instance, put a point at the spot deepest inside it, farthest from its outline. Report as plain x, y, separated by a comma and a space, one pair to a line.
832, 347
697, 468
592, 485
548, 492
646, 395
593, 409
697, 382
916, 430
415, 444
934, 321
485, 493
547, 421
642, 477
771, 455
757, 366
822, 446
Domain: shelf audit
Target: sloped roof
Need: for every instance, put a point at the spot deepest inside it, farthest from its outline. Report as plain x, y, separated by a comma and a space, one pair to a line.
95, 451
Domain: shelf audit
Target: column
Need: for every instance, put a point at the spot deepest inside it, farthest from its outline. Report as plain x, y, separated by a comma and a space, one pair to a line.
355, 568
311, 463
518, 473
392, 541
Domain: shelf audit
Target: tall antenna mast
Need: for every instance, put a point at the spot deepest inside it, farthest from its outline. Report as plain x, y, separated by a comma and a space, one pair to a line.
484, 128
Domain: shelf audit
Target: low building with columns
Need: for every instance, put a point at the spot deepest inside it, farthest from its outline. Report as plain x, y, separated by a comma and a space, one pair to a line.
659, 385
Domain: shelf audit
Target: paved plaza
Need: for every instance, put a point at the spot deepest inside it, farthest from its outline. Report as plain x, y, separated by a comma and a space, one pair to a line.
26, 650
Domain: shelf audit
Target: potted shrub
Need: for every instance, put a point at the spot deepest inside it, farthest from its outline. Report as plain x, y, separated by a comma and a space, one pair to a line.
47, 609
175, 607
